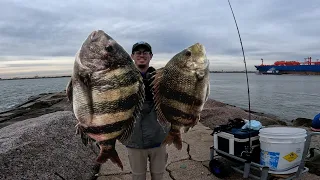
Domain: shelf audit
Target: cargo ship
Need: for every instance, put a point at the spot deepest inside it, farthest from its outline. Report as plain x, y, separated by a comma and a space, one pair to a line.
308, 67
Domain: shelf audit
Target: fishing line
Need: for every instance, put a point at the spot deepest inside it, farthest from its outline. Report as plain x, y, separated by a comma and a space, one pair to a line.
245, 65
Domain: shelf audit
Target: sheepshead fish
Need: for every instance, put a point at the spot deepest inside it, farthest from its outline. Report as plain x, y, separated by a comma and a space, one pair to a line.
107, 92
181, 89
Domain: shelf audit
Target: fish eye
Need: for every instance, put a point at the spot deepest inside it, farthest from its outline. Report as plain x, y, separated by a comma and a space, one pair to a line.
109, 48
188, 53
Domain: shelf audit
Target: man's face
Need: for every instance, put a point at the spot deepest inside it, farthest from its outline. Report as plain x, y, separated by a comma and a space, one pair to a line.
141, 57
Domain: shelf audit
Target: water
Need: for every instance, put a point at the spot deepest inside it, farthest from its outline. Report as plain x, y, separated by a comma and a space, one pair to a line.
286, 96
14, 92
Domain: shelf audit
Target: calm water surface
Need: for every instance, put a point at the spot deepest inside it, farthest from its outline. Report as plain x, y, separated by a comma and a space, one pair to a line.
287, 96
14, 92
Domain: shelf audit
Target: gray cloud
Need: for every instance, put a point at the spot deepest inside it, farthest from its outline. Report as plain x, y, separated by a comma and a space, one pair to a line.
29, 65
273, 30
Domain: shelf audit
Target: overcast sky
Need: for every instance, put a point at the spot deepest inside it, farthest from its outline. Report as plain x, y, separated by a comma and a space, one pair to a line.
41, 37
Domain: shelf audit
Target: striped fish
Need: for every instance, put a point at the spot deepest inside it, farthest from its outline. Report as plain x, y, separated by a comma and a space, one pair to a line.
107, 93
181, 89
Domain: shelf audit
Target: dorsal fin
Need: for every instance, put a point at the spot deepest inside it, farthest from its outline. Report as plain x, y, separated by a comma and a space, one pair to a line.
156, 83
69, 90
208, 92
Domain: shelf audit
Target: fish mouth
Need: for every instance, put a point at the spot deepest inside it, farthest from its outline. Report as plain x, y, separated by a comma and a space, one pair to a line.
93, 34
203, 60
198, 49
200, 60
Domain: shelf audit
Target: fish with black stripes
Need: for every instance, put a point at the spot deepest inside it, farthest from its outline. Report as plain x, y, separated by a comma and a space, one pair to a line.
107, 93
181, 89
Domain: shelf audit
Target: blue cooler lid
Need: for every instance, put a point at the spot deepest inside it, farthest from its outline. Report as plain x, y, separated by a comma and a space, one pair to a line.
244, 133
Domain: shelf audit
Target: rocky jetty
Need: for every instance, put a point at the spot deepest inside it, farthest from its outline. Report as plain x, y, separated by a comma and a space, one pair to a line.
38, 141
216, 113
36, 106
45, 148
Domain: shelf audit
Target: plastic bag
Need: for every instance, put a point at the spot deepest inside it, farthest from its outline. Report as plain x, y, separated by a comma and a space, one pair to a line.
254, 124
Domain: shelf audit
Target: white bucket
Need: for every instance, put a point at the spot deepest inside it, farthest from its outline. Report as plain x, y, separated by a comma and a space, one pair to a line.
281, 147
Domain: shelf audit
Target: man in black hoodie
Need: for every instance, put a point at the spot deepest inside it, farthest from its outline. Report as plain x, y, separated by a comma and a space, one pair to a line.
145, 142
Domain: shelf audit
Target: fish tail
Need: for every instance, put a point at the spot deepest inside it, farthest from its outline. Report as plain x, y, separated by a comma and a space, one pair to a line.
186, 129
108, 152
174, 137
84, 137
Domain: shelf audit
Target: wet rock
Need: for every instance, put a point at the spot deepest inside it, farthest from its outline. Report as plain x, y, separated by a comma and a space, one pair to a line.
216, 113
46, 100
32, 98
302, 122
36, 106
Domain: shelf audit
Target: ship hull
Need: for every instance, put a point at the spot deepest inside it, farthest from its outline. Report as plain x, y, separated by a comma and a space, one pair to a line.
299, 69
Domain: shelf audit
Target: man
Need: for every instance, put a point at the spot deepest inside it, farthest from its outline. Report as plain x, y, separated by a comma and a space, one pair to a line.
145, 142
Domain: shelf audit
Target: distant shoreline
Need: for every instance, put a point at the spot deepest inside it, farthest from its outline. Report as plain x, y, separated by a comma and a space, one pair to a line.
44, 77
232, 72
36, 77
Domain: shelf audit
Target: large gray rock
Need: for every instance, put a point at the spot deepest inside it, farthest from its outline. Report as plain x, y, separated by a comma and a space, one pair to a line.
216, 113
35, 107
45, 148
302, 122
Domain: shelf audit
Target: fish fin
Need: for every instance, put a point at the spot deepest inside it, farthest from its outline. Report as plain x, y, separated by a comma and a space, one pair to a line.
84, 137
108, 151
173, 137
69, 90
85, 80
200, 75
128, 128
106, 87
186, 129
208, 92
196, 121
77, 128
155, 84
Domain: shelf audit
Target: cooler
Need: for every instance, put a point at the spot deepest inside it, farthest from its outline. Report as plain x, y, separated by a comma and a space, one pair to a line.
235, 141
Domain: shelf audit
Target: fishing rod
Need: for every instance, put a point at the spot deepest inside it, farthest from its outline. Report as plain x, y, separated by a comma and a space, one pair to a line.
245, 64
